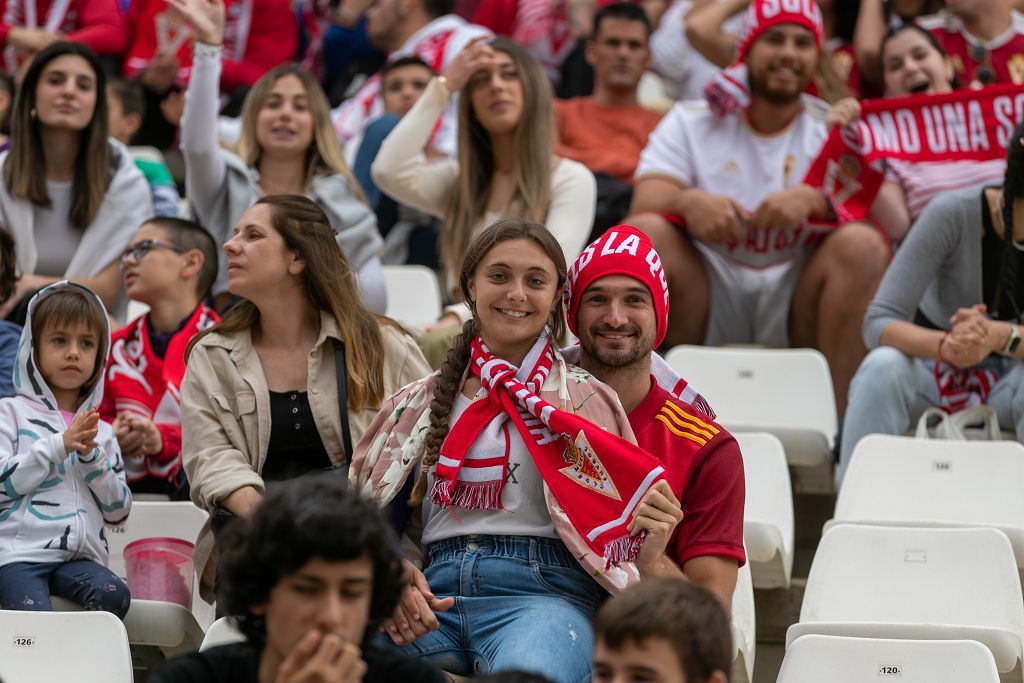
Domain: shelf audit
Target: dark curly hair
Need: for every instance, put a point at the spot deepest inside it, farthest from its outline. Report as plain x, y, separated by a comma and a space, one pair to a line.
1008, 299
314, 516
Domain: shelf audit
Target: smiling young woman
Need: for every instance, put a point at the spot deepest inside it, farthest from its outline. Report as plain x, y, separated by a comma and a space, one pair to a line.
286, 146
66, 185
501, 510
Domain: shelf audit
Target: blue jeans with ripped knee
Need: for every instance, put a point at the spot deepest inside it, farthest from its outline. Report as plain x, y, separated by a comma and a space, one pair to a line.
28, 586
520, 603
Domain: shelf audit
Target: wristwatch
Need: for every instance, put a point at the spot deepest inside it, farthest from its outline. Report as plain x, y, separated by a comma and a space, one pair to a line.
1012, 343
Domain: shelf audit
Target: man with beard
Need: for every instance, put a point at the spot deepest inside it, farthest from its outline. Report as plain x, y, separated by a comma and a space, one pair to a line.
618, 308
751, 253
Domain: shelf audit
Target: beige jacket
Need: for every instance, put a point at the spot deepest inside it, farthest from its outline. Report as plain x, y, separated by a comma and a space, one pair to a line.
225, 421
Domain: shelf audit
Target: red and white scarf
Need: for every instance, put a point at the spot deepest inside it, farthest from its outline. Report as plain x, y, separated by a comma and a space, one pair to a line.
961, 388
598, 478
961, 125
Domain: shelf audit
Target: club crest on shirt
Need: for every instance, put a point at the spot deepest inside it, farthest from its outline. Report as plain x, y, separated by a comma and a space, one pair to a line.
586, 469
1016, 67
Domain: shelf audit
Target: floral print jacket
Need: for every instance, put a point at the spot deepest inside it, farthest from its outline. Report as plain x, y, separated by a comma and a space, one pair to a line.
389, 452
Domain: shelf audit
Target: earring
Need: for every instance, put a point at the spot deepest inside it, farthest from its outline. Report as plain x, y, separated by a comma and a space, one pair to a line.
33, 113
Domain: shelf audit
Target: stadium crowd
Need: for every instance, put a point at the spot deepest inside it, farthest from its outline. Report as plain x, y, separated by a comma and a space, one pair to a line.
389, 500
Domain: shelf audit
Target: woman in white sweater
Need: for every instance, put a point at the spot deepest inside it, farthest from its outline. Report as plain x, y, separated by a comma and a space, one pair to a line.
506, 163
287, 146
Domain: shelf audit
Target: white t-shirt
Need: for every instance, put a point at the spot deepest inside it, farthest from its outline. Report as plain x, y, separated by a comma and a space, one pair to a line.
684, 69
525, 510
56, 239
723, 155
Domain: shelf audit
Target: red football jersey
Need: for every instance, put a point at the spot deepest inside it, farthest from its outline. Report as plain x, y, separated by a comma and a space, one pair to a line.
978, 63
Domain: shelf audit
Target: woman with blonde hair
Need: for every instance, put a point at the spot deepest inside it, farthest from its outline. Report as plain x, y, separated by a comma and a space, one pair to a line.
287, 146
506, 164
294, 372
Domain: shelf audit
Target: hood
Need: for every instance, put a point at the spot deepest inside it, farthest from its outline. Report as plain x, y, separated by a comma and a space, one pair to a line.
28, 381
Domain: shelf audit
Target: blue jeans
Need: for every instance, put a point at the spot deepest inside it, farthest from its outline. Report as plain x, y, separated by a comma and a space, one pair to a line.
891, 390
520, 603
27, 586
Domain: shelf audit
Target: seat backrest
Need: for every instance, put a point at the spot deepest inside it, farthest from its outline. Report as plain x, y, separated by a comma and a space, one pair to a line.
902, 479
769, 497
149, 519
964, 577
839, 659
221, 632
756, 389
414, 295
743, 616
85, 647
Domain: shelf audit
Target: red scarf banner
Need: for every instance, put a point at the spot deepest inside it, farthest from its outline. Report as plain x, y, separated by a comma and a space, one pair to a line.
598, 478
964, 125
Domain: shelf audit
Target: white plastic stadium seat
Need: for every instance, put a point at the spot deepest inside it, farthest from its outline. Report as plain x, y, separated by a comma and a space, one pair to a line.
836, 659
85, 647
916, 584
743, 628
902, 481
221, 632
768, 513
414, 295
787, 392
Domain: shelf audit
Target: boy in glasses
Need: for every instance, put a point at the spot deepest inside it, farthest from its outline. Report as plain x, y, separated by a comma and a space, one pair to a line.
169, 265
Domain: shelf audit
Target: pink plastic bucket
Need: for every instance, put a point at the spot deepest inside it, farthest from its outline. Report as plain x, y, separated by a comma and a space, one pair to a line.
160, 569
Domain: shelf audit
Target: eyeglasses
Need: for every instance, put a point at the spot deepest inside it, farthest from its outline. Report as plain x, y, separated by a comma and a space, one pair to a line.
139, 251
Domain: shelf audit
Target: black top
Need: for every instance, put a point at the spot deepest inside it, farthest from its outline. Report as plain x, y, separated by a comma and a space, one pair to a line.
239, 663
295, 446
159, 341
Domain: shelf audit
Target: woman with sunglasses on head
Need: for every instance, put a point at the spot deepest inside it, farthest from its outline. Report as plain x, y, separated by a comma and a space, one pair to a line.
293, 373
914, 64
946, 324
506, 164
169, 266
70, 195
286, 145
504, 458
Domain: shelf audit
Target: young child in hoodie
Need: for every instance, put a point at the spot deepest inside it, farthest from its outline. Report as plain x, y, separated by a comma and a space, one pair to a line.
61, 474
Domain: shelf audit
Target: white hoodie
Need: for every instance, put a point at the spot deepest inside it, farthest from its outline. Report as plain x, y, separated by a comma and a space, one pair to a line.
53, 506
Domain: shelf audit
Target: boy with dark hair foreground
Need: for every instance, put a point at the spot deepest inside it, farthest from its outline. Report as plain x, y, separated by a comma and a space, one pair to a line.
311, 576
662, 630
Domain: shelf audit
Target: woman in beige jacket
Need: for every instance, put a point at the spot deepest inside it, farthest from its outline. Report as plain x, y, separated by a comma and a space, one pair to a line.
260, 397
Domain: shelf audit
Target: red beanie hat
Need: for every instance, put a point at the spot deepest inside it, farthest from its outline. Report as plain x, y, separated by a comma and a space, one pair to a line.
622, 250
761, 15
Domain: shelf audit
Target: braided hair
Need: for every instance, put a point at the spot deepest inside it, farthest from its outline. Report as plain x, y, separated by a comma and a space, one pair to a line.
1007, 304
449, 376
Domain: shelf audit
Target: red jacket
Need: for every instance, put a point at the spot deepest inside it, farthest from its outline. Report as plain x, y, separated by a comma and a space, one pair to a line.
258, 35
97, 23
140, 382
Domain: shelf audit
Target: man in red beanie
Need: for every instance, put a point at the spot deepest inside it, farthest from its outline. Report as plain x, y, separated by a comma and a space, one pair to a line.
753, 255
617, 300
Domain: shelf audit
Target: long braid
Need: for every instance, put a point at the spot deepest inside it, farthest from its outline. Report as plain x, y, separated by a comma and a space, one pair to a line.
441, 407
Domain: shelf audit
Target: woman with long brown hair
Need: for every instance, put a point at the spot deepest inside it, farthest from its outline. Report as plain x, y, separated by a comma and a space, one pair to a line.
287, 146
293, 371
70, 195
506, 164
523, 471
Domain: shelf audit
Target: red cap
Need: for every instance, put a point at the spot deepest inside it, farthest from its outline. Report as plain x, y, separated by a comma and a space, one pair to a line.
622, 250
763, 14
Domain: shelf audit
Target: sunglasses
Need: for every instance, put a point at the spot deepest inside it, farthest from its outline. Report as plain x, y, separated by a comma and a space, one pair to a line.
984, 74
139, 251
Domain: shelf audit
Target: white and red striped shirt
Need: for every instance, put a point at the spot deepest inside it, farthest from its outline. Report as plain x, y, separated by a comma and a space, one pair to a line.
922, 181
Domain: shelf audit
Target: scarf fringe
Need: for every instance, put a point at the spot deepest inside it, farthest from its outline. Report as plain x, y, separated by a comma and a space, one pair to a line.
623, 549
468, 495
